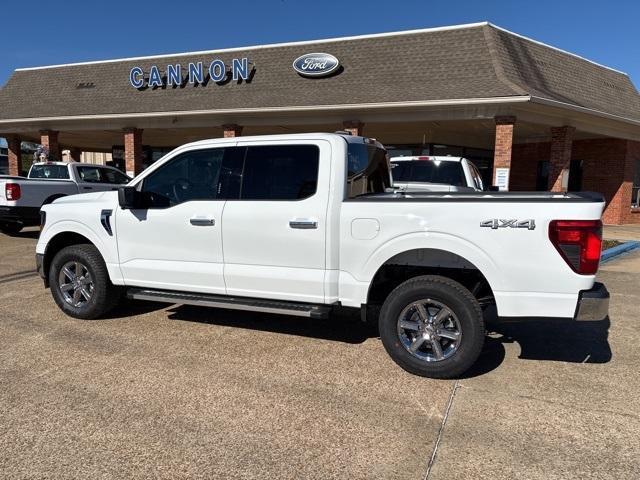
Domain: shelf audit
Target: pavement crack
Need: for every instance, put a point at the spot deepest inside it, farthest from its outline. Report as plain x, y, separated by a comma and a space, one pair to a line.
441, 430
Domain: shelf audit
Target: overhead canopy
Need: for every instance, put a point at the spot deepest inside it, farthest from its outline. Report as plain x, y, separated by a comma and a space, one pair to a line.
452, 64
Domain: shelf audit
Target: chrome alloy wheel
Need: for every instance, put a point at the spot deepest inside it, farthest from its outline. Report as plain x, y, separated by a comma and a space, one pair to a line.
75, 283
429, 330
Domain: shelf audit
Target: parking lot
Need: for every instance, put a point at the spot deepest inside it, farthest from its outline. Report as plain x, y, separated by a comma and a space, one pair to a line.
174, 391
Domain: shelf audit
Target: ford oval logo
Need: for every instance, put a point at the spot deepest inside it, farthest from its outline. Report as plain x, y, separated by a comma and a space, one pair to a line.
316, 64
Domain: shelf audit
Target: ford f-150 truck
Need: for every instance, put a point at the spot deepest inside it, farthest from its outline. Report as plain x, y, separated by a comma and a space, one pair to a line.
299, 224
21, 198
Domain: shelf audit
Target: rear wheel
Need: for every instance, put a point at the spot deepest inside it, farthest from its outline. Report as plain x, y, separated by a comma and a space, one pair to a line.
80, 283
432, 326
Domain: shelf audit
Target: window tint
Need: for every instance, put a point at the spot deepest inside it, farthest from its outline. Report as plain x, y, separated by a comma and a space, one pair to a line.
190, 176
430, 171
89, 174
367, 170
280, 172
49, 171
114, 176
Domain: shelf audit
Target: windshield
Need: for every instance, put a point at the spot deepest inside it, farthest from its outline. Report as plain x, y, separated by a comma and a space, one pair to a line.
367, 170
49, 171
428, 171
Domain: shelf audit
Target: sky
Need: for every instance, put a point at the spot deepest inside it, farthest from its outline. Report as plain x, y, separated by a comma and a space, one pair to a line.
37, 33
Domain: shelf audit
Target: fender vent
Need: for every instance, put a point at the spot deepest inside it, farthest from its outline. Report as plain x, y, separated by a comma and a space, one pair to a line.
105, 220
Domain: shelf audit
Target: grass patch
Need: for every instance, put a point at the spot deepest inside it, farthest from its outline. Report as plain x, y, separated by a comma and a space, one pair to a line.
606, 244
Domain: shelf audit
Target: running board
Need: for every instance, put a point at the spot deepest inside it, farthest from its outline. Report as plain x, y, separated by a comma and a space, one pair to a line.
309, 310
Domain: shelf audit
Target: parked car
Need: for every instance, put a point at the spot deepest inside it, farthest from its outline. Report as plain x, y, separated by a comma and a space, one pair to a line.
21, 198
308, 224
435, 174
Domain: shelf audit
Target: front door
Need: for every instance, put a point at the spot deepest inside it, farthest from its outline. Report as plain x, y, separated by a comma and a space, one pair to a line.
175, 242
275, 234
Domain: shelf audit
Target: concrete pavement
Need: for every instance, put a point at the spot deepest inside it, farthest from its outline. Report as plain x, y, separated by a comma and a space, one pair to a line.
185, 392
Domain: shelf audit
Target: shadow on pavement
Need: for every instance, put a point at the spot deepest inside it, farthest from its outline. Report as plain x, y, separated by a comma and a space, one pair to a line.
341, 326
553, 339
26, 234
130, 308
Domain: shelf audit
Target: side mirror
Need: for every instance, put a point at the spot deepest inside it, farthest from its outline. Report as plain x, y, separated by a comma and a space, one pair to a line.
128, 198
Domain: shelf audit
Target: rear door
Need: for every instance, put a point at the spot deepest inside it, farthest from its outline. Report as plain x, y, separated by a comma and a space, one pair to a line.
274, 235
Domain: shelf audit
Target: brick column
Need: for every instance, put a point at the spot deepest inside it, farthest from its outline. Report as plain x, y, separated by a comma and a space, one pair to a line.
133, 150
560, 155
75, 153
503, 144
232, 130
49, 139
354, 127
15, 154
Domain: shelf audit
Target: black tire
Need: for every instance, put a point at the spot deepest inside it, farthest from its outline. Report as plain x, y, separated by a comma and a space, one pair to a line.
12, 228
104, 295
466, 311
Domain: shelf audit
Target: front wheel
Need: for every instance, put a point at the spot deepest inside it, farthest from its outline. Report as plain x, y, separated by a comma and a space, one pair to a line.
432, 326
80, 282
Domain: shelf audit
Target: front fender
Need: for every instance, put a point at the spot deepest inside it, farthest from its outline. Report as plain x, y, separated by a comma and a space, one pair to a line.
108, 249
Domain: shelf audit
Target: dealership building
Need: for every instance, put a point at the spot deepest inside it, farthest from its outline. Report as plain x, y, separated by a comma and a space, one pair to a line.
530, 116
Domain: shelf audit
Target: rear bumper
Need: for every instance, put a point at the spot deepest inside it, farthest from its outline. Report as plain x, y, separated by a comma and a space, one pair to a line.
28, 216
593, 304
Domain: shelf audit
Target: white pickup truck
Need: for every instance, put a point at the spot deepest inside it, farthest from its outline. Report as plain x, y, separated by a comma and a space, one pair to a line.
21, 198
298, 224
435, 174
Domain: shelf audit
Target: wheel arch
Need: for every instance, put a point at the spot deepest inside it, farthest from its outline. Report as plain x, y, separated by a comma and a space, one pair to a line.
52, 198
58, 242
428, 261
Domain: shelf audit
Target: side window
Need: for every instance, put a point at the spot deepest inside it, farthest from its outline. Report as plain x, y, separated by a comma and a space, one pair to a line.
89, 174
113, 176
280, 172
194, 175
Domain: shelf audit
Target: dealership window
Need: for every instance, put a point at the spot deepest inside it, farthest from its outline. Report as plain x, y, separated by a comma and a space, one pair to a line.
280, 172
635, 197
542, 176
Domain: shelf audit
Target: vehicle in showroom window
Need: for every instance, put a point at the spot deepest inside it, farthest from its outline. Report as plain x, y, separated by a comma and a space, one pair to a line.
309, 222
423, 173
22, 197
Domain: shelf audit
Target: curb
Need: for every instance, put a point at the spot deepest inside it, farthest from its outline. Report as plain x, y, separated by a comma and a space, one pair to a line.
613, 252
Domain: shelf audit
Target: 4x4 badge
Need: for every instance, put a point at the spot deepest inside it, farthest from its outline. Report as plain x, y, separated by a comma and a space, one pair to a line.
496, 223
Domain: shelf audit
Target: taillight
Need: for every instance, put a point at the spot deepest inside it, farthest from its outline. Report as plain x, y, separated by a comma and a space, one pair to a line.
12, 191
579, 242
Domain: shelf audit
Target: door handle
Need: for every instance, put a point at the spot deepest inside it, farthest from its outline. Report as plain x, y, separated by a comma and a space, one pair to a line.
202, 221
303, 223
88, 188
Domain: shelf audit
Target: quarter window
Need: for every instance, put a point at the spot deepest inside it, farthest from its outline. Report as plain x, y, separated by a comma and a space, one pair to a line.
280, 172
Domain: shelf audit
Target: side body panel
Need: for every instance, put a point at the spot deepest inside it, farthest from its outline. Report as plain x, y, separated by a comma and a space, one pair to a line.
527, 275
